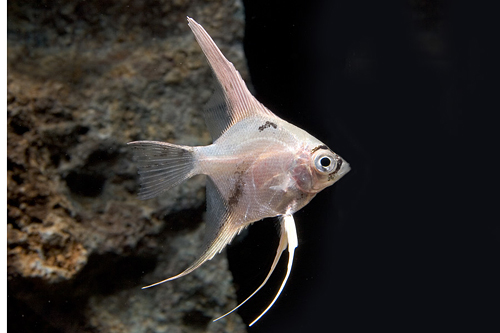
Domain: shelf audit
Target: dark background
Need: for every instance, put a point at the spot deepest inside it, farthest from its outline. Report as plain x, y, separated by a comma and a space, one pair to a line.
405, 92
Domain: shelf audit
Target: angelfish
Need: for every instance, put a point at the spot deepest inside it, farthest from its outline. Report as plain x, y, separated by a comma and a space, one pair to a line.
258, 166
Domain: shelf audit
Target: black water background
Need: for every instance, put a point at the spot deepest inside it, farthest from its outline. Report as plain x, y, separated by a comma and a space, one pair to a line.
409, 239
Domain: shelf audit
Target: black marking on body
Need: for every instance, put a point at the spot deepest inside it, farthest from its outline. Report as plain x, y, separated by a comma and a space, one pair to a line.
315, 149
237, 190
267, 125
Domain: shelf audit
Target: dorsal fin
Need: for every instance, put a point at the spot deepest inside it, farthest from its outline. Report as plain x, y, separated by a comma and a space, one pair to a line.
237, 102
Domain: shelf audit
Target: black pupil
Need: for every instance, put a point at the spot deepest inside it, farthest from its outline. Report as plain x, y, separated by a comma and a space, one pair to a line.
325, 161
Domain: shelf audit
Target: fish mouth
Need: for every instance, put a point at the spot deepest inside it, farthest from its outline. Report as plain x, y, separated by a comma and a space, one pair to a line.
344, 168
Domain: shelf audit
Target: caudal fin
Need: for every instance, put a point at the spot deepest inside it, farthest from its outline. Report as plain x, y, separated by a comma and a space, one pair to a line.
162, 166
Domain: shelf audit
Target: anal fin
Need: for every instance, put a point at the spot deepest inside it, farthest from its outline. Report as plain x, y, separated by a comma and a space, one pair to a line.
224, 237
220, 230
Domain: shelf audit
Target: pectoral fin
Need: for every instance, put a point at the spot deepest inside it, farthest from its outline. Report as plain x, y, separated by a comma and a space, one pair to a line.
288, 238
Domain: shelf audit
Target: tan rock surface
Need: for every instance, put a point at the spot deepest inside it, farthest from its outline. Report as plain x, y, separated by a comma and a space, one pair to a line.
85, 78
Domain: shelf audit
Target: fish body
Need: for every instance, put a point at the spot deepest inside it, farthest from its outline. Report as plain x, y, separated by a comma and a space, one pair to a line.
258, 166
261, 168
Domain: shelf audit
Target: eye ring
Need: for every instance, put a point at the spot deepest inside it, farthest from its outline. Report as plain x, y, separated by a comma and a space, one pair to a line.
325, 163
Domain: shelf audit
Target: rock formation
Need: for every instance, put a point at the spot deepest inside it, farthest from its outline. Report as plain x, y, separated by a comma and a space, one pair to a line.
85, 78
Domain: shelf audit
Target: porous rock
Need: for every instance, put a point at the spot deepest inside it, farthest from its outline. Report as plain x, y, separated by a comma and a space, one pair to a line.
85, 78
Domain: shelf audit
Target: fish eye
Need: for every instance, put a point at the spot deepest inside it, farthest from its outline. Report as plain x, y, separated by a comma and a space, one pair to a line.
325, 163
